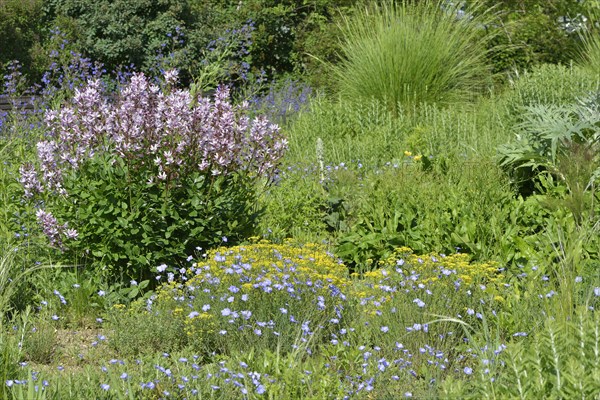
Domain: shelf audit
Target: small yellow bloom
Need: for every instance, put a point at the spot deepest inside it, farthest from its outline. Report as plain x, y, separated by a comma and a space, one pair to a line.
407, 153
418, 158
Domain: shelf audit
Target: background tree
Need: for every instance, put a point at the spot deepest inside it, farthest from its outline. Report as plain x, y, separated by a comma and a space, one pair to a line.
20, 29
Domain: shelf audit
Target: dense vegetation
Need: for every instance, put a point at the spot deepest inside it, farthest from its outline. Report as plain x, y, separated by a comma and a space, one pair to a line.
299, 199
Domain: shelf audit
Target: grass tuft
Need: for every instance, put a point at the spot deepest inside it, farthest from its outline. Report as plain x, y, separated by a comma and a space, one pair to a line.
405, 55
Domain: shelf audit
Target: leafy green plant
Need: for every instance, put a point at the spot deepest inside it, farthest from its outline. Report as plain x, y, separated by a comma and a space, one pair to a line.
294, 207
157, 225
532, 32
559, 140
20, 30
546, 84
120, 33
161, 176
407, 205
404, 54
559, 361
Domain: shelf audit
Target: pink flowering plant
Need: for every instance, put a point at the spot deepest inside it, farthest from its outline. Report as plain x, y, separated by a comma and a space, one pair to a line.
150, 176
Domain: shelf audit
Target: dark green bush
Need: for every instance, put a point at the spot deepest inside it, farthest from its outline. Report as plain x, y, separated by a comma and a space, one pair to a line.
20, 30
531, 32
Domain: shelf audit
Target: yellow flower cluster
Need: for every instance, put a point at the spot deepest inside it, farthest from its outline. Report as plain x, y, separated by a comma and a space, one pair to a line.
249, 269
270, 261
201, 325
432, 267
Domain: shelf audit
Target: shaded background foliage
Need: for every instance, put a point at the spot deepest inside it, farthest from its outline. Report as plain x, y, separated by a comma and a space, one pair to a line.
118, 33
289, 37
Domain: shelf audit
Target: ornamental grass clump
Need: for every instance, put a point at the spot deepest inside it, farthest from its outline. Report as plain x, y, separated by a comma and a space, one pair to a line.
406, 54
150, 177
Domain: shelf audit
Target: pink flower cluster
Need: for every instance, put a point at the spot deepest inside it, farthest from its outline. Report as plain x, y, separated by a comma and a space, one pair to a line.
53, 230
166, 131
162, 131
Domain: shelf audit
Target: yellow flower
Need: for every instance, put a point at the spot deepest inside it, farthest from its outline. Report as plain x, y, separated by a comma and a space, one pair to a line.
407, 153
418, 158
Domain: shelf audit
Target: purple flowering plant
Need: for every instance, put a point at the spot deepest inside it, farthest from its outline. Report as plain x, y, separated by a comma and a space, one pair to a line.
145, 178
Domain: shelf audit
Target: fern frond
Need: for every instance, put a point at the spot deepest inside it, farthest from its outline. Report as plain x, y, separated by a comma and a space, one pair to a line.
555, 355
518, 372
536, 363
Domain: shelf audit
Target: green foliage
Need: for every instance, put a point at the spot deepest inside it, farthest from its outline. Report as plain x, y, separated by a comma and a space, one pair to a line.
286, 32
408, 205
460, 131
128, 226
294, 207
559, 140
350, 132
559, 361
122, 32
532, 32
9, 358
20, 29
408, 54
546, 84
137, 332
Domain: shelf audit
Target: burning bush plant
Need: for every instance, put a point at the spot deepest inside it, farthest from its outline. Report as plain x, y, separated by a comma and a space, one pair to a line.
149, 177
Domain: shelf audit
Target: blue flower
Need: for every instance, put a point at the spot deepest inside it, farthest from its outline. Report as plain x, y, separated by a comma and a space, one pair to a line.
161, 268
420, 303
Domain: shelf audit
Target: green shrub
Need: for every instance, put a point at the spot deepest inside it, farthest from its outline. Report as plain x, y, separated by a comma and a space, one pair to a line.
119, 33
546, 84
294, 206
20, 30
532, 32
155, 176
462, 207
561, 140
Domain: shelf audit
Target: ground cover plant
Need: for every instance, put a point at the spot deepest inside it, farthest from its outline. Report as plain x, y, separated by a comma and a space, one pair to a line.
163, 238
